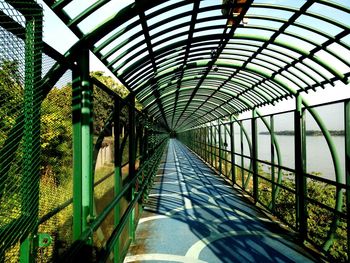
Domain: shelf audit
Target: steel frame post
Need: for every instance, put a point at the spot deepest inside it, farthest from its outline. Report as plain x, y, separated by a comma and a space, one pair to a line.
31, 146
347, 167
220, 149
200, 141
117, 173
132, 161
273, 186
205, 144
82, 145
215, 149
242, 151
226, 162
255, 155
233, 159
300, 167
211, 146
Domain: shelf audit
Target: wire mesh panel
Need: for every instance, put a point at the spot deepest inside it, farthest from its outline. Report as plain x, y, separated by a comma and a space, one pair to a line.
56, 181
11, 124
103, 137
20, 98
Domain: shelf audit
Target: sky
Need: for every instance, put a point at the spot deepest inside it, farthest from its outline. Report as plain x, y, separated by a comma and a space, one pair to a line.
61, 38
57, 35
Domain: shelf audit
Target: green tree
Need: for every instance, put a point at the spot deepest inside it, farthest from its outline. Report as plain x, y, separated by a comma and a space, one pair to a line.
103, 104
56, 133
11, 96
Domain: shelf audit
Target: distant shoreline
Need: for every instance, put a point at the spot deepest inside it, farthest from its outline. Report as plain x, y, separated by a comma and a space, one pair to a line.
308, 133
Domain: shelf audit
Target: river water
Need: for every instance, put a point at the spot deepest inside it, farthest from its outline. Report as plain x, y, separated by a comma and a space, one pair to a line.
318, 154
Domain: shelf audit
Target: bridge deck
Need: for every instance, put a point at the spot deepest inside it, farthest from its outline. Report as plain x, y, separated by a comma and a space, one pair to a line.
194, 216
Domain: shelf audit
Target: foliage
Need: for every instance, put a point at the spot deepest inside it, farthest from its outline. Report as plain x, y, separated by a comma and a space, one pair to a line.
56, 133
319, 219
56, 147
11, 101
11, 96
102, 103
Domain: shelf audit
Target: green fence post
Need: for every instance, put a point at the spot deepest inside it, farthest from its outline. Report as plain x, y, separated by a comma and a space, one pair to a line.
117, 173
233, 161
300, 163
77, 168
82, 145
273, 186
132, 161
211, 142
203, 143
220, 149
347, 166
255, 155
31, 139
242, 152
199, 138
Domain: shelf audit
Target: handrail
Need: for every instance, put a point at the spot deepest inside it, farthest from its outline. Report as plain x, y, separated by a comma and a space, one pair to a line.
335, 214
101, 217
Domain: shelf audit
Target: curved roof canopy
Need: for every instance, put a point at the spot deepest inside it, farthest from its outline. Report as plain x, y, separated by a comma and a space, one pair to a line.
189, 62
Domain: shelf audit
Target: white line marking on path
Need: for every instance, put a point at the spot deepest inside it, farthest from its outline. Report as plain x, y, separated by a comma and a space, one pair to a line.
163, 257
197, 248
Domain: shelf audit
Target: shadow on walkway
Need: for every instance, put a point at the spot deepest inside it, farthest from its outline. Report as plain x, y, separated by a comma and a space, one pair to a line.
193, 215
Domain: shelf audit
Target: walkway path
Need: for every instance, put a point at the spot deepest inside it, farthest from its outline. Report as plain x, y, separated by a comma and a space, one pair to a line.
194, 216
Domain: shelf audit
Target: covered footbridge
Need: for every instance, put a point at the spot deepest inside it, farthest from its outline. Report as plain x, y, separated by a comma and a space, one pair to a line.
223, 135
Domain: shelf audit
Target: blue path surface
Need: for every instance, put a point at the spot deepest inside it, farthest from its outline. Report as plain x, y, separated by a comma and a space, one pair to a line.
194, 216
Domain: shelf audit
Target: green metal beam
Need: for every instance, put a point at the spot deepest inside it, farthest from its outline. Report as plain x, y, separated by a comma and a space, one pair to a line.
347, 167
300, 168
254, 155
82, 145
31, 135
117, 173
132, 163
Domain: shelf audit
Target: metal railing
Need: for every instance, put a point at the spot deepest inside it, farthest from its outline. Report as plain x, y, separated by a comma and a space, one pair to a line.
308, 202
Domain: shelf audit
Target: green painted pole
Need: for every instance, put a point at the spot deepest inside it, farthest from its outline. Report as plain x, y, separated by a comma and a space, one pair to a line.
255, 155
214, 147
233, 157
77, 168
211, 146
220, 148
132, 162
347, 166
82, 145
300, 163
31, 139
86, 141
242, 151
225, 153
200, 142
273, 186
205, 144
117, 174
